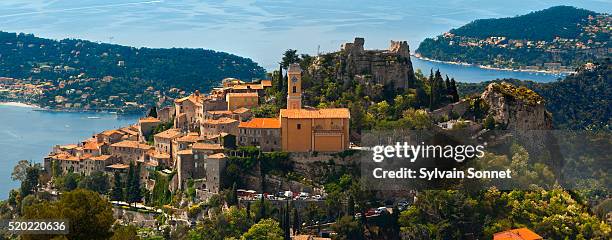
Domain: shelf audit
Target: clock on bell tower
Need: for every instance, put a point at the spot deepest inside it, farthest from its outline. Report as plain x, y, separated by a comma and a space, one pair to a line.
294, 95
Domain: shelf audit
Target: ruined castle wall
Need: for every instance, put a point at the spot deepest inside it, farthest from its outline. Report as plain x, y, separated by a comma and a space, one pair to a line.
386, 67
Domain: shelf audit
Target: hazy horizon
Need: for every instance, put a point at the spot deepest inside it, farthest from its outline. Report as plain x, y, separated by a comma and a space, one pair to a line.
260, 30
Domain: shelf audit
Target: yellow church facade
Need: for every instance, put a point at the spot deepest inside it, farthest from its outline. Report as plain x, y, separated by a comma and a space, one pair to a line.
311, 130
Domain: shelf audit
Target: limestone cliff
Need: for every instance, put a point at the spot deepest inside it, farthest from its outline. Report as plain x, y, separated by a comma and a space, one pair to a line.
516, 108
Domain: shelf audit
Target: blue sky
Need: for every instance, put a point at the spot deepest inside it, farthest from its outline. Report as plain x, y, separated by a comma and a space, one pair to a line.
261, 30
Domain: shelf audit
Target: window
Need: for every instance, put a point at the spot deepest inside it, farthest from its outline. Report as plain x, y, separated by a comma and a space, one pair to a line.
299, 126
294, 89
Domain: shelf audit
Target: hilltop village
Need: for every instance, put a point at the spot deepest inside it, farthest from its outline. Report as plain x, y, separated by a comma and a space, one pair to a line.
201, 127
281, 156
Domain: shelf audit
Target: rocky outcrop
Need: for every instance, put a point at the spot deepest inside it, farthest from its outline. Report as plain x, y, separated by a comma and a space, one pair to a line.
389, 68
516, 108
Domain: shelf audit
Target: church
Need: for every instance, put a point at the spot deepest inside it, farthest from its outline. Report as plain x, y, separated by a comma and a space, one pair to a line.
306, 129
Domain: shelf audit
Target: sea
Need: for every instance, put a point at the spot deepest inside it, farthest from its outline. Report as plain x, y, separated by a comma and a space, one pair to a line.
28, 133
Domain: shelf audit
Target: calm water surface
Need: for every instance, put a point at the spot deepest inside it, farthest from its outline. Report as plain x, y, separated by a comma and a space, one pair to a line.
463, 73
29, 134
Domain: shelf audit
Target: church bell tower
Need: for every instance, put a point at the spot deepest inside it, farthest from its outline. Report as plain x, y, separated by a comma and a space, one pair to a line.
294, 95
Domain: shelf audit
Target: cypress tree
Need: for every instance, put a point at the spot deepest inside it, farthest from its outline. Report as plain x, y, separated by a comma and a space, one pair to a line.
262, 207
233, 196
432, 95
117, 191
455, 93
128, 184
296, 222
136, 184
134, 194
351, 206
280, 78
152, 112
286, 223
437, 90
248, 211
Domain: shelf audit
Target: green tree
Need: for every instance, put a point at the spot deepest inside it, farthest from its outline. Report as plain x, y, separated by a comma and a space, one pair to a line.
69, 182
290, 56
280, 84
89, 215
29, 184
125, 233
117, 190
296, 221
266, 229
152, 112
229, 224
19, 171
348, 229
134, 193
97, 182
56, 169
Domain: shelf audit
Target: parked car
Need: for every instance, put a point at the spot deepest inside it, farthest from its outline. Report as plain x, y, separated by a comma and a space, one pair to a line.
381, 210
371, 212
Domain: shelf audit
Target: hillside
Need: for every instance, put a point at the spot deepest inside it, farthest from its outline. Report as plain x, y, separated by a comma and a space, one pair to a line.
560, 21
579, 101
555, 39
70, 66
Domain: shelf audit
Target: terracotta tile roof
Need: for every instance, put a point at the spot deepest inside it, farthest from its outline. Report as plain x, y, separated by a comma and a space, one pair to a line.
315, 113
185, 152
131, 144
266, 83
149, 120
129, 130
191, 137
192, 98
119, 166
169, 134
241, 110
261, 123
65, 157
210, 136
206, 146
221, 112
217, 156
101, 158
159, 155
111, 132
248, 86
223, 120
249, 94
92, 145
517, 234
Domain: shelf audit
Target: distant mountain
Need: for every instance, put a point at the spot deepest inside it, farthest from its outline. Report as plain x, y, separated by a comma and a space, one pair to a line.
25, 56
560, 21
580, 101
555, 39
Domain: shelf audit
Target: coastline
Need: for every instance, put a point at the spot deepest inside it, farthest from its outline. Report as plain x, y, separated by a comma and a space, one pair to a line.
493, 68
20, 104
44, 109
